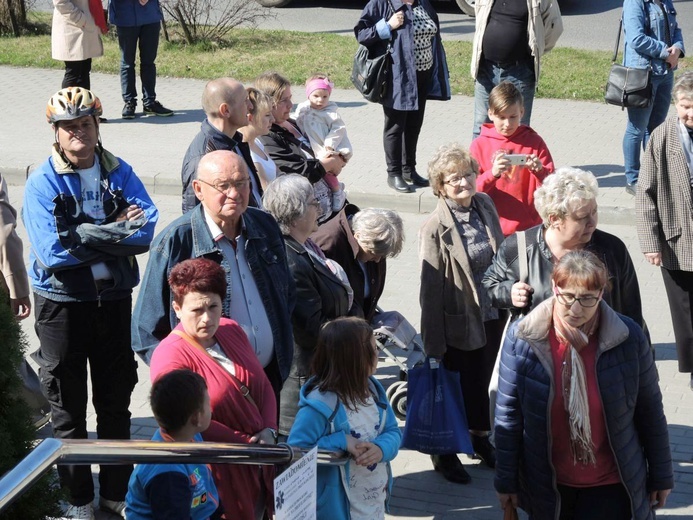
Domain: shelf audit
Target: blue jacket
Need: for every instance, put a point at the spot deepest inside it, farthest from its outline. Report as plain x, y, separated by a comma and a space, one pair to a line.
65, 241
632, 402
372, 31
188, 237
130, 13
200, 489
322, 421
645, 34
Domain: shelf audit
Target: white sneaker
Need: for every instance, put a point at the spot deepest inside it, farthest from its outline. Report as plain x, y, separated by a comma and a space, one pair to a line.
85, 512
112, 506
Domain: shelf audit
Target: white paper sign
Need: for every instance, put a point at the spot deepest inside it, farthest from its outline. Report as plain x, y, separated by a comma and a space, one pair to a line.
295, 490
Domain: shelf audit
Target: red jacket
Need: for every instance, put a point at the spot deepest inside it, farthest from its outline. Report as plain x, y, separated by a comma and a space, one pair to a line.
234, 418
514, 196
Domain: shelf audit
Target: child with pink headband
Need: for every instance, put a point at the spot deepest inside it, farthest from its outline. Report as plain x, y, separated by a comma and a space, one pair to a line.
318, 119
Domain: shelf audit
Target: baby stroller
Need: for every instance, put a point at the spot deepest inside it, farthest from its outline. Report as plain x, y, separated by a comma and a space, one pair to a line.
398, 340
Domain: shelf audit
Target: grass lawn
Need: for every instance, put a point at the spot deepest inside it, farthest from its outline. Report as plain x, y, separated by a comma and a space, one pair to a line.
566, 73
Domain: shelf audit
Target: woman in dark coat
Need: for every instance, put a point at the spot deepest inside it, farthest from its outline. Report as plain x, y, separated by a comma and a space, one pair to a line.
360, 241
580, 428
419, 72
322, 289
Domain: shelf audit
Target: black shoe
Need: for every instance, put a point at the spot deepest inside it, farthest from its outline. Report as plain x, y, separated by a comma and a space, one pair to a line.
484, 450
451, 468
157, 109
415, 179
630, 188
399, 184
129, 110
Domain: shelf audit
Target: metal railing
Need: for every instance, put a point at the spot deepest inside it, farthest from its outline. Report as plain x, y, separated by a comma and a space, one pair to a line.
63, 451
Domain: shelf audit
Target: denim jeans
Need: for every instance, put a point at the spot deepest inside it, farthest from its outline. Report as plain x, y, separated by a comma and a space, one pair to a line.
70, 335
147, 38
641, 123
490, 74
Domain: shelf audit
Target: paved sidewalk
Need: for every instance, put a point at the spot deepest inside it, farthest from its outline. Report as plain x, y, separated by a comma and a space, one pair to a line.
580, 134
586, 135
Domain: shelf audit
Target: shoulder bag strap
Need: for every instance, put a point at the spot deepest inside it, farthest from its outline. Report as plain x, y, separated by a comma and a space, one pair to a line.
243, 389
666, 22
618, 38
522, 256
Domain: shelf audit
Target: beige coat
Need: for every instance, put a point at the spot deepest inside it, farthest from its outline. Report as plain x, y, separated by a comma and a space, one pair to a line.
450, 312
543, 29
664, 204
12, 270
74, 36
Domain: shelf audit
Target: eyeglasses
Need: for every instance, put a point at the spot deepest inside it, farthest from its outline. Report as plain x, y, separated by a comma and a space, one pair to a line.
569, 299
314, 203
227, 186
457, 181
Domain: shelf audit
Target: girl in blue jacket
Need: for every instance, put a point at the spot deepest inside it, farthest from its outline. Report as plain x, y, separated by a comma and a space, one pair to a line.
343, 407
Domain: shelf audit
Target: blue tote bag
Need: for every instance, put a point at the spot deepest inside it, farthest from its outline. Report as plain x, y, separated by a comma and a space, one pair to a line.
436, 419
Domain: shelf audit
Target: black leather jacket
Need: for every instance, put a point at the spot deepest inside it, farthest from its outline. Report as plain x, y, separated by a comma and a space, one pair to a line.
623, 296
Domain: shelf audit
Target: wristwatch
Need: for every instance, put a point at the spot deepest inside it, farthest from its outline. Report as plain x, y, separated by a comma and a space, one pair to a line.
274, 433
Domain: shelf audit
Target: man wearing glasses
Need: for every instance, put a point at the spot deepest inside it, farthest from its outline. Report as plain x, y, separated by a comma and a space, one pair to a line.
247, 243
226, 105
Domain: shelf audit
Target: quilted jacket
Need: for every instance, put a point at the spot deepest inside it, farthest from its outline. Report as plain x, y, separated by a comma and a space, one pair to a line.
632, 402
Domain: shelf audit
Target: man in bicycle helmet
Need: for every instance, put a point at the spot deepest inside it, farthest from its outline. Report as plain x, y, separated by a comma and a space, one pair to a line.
87, 215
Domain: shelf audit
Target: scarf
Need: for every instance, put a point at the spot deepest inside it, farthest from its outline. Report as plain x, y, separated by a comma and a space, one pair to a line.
96, 10
574, 384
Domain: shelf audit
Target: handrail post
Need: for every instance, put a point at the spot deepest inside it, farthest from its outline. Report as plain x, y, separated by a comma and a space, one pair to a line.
30, 469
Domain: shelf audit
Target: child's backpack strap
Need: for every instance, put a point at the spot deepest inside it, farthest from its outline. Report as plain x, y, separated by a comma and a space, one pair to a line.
330, 400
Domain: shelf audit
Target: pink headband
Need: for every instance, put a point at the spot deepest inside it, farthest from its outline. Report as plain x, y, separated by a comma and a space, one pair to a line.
316, 84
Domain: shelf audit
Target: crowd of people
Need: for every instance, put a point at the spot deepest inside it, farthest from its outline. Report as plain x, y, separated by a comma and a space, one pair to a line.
255, 305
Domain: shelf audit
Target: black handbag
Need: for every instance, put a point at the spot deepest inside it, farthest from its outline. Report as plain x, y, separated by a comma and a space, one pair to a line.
372, 70
628, 87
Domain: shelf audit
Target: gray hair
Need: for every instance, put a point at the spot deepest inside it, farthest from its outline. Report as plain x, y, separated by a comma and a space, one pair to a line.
562, 191
286, 199
380, 231
683, 87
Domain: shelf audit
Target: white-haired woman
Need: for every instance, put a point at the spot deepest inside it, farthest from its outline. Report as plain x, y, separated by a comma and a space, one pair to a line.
567, 204
663, 203
321, 295
360, 241
458, 322
580, 427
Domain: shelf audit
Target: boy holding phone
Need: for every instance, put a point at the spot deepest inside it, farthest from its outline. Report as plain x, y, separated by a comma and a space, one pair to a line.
513, 160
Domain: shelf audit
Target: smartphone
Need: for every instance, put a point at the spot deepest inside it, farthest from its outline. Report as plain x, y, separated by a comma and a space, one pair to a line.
517, 159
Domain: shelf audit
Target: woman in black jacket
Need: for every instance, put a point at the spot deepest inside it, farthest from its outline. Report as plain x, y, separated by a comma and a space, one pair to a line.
567, 203
322, 288
290, 149
419, 72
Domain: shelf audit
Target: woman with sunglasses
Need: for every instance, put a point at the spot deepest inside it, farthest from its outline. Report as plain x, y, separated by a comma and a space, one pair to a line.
458, 323
579, 412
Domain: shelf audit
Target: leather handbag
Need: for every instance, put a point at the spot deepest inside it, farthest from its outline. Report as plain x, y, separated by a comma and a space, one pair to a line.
372, 70
628, 87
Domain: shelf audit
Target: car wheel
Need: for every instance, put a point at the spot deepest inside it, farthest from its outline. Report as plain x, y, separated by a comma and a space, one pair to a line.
467, 6
273, 3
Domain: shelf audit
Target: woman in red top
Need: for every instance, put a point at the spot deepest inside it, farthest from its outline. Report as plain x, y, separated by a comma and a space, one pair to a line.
218, 350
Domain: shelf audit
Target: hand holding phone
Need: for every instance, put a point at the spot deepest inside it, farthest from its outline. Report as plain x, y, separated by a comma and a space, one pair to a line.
517, 159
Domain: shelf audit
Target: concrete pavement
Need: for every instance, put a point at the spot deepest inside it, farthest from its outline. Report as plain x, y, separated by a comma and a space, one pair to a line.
580, 134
